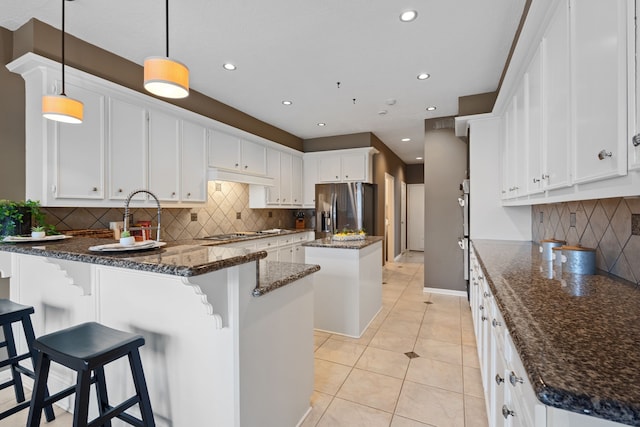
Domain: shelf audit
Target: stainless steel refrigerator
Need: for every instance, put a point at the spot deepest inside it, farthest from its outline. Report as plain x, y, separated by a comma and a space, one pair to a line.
350, 205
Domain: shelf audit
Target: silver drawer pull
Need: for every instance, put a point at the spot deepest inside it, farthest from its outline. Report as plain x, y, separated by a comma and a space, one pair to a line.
603, 154
499, 379
486, 294
481, 307
484, 318
506, 412
514, 379
495, 323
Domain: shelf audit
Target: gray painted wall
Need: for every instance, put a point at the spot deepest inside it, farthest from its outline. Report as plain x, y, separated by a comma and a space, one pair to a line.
445, 162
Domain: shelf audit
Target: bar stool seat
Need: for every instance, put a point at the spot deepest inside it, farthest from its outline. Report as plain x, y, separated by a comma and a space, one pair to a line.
11, 312
87, 348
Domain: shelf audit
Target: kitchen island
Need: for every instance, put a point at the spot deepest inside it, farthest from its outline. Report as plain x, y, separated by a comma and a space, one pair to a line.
221, 347
576, 337
348, 288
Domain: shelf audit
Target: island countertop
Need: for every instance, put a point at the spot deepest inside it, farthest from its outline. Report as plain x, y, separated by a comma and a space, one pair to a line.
327, 242
183, 258
577, 335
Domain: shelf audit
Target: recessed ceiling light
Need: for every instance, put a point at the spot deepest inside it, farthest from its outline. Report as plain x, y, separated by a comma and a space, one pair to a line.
408, 15
322, 124
390, 101
406, 139
432, 108
229, 66
287, 102
423, 76
382, 112
418, 158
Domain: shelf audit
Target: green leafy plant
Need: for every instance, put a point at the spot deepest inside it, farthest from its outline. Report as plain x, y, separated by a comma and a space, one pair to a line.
125, 234
38, 228
17, 217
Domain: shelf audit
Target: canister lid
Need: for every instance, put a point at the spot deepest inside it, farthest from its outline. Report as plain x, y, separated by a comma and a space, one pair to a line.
552, 241
577, 248
556, 248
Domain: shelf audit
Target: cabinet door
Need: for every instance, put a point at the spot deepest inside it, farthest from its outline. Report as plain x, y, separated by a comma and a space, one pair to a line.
298, 254
520, 142
273, 171
556, 102
127, 149
79, 151
329, 168
285, 254
310, 172
296, 180
534, 138
634, 147
224, 151
193, 165
163, 155
253, 158
510, 155
286, 173
354, 167
599, 92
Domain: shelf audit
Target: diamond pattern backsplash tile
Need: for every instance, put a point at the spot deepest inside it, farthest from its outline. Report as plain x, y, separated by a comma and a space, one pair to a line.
217, 216
605, 224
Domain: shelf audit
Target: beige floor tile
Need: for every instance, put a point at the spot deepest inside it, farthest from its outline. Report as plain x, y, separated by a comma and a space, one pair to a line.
342, 413
366, 337
63, 419
346, 353
475, 412
401, 327
371, 389
319, 338
441, 332
411, 305
431, 405
472, 381
399, 421
391, 341
384, 362
407, 315
470, 356
468, 337
439, 350
319, 404
329, 376
436, 373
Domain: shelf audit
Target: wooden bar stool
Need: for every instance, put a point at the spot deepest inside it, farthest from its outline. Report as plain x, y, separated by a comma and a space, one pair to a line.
87, 348
11, 312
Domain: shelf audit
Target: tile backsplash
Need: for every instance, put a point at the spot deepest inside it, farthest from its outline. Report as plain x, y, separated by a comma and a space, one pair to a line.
218, 216
609, 225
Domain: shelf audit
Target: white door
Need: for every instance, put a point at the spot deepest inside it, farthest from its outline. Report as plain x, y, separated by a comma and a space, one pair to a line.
389, 218
415, 216
403, 217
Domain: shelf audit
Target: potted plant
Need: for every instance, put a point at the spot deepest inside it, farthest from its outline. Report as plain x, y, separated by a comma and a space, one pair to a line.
38, 232
126, 239
16, 218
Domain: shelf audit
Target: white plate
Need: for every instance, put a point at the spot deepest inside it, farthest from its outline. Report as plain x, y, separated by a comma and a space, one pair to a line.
25, 239
117, 247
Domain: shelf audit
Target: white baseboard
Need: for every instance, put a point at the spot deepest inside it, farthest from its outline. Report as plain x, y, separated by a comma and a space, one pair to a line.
445, 292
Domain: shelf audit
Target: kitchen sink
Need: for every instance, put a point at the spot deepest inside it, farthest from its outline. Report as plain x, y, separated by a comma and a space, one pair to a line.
241, 234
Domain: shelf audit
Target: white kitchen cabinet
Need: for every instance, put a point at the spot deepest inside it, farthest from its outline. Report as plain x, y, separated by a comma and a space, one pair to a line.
273, 171
127, 149
233, 153
296, 181
534, 136
286, 175
193, 166
556, 107
348, 165
310, 179
599, 88
77, 163
163, 155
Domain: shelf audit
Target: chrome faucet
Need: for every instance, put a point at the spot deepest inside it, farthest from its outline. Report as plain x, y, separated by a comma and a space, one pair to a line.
126, 210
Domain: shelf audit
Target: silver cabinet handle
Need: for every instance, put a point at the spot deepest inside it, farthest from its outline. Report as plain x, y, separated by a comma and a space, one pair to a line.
236, 164
536, 180
514, 379
119, 190
481, 307
636, 140
545, 176
495, 323
94, 189
188, 194
603, 154
506, 412
246, 166
499, 379
484, 318
486, 294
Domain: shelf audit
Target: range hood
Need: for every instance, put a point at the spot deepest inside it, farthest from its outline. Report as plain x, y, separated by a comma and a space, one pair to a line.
217, 174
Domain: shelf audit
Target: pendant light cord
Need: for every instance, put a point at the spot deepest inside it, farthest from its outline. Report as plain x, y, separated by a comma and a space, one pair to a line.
63, 92
167, 24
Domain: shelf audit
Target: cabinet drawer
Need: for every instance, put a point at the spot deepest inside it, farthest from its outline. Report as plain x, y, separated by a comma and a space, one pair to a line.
519, 395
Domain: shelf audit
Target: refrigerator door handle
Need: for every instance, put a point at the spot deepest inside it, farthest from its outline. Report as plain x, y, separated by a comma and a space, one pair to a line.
334, 213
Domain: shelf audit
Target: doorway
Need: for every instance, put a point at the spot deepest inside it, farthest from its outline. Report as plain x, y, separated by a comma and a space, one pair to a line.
403, 217
415, 216
389, 219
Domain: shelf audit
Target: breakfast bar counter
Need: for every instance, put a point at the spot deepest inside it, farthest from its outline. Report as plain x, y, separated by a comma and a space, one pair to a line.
221, 346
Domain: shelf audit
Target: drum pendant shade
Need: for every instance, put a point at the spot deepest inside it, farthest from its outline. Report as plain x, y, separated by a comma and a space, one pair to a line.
165, 77
62, 109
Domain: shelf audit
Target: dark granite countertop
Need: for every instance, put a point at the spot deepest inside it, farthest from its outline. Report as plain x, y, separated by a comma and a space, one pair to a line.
578, 336
244, 236
327, 242
184, 258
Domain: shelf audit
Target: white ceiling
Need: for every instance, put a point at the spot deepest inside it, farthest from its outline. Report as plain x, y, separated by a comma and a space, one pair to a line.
299, 49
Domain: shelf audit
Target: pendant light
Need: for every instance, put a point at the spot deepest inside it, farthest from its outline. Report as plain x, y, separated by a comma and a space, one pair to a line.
59, 107
163, 76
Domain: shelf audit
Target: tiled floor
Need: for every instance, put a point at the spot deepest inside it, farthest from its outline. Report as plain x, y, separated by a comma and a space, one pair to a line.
371, 382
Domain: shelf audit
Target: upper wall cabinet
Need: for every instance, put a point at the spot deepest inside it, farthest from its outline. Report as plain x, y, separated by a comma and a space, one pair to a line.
354, 164
193, 155
599, 88
163, 155
285, 191
235, 154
